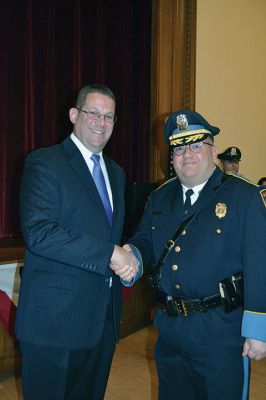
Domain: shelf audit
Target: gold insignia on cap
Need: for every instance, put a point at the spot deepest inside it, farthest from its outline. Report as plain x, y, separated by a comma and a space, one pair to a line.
194, 138
233, 151
179, 139
220, 210
263, 196
181, 122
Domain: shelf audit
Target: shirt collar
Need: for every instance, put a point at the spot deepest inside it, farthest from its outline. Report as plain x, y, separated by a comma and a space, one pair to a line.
84, 151
196, 189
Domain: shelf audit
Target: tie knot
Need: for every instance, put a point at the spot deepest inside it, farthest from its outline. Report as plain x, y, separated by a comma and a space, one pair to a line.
189, 193
95, 158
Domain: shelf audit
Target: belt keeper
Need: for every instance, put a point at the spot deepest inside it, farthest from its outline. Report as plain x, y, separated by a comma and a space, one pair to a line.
184, 308
169, 302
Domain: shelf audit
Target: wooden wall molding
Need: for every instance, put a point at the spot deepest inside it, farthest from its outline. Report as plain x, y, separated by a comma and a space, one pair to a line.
173, 70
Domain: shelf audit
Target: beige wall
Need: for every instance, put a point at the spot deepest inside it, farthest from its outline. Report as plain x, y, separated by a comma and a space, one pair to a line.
231, 77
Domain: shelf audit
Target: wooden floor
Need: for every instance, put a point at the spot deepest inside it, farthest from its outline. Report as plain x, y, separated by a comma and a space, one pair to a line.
133, 375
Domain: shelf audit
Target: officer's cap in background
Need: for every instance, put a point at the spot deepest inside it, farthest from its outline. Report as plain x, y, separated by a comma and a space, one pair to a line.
187, 126
232, 153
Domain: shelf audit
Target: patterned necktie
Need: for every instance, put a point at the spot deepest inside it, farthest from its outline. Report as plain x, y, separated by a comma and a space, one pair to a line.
99, 180
187, 204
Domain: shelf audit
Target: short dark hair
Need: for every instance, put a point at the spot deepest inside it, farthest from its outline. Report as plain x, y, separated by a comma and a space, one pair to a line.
94, 88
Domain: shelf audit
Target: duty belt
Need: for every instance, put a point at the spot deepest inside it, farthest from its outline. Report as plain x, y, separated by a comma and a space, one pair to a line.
179, 306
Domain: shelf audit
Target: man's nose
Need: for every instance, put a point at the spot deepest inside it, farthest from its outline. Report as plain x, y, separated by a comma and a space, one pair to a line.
187, 149
101, 119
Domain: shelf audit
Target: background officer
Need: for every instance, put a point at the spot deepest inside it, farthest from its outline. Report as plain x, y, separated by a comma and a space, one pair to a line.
201, 230
230, 159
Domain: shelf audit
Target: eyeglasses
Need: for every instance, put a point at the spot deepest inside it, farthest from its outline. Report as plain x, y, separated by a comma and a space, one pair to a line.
95, 115
194, 147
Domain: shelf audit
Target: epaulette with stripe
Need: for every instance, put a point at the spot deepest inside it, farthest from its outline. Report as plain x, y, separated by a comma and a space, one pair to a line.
166, 183
242, 178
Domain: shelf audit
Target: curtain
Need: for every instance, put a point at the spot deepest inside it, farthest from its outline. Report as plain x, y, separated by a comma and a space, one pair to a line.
48, 50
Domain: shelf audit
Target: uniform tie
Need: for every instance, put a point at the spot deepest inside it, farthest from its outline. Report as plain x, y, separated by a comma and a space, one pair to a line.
187, 204
99, 180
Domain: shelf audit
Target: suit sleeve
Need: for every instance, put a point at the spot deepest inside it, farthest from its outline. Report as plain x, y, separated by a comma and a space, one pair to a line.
44, 235
141, 243
254, 260
142, 239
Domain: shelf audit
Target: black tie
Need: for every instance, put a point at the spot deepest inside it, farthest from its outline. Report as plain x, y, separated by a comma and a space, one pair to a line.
187, 204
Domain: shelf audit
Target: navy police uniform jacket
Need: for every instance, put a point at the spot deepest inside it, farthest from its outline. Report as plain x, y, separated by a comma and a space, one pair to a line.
227, 235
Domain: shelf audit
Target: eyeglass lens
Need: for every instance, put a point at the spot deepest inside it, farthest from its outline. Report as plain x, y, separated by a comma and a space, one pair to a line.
194, 147
95, 115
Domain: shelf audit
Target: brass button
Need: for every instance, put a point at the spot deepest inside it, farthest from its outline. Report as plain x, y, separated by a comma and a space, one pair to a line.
177, 249
177, 286
218, 231
174, 267
184, 233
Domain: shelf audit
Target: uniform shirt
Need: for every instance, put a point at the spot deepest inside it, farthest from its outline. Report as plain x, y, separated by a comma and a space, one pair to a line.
196, 189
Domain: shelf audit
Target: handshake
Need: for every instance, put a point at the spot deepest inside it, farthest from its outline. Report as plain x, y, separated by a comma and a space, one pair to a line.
124, 263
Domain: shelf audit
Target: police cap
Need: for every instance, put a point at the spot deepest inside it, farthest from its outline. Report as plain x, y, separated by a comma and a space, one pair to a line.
232, 153
186, 126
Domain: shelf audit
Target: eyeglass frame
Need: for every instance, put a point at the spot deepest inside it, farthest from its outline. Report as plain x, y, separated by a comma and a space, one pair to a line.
188, 146
99, 115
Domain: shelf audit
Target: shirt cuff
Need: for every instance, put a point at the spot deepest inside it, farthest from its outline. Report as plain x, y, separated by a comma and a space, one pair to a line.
254, 325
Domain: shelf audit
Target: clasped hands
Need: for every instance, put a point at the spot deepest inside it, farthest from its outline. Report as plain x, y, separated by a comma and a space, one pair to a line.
124, 263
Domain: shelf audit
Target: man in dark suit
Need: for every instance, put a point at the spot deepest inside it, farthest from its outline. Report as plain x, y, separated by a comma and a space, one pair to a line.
72, 214
205, 232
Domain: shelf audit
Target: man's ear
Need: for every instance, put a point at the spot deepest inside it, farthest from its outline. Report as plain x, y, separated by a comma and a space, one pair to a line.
214, 153
73, 114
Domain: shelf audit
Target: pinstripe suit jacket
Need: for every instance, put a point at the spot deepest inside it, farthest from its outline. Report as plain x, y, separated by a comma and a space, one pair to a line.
69, 242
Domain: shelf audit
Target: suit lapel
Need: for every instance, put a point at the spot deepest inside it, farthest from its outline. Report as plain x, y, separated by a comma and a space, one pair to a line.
114, 188
79, 165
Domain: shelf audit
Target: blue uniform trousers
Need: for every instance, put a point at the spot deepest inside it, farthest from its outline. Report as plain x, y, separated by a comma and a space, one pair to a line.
198, 371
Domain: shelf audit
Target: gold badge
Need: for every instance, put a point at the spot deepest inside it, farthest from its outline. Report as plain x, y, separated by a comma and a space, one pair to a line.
182, 122
263, 196
220, 210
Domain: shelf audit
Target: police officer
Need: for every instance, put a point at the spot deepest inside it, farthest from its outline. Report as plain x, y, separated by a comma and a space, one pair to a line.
230, 159
204, 232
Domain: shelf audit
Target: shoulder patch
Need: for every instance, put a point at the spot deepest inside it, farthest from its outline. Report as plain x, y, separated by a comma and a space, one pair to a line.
263, 196
166, 183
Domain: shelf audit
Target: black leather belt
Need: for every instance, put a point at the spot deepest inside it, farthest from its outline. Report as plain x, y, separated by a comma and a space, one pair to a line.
179, 306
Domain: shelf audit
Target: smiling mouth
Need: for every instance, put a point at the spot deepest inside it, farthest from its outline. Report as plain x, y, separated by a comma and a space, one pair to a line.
96, 132
189, 162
